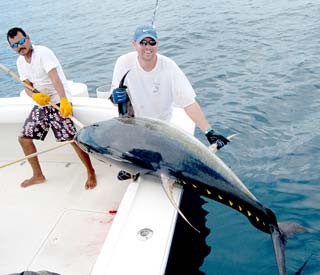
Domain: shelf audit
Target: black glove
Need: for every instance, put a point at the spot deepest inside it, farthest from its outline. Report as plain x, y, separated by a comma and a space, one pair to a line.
218, 139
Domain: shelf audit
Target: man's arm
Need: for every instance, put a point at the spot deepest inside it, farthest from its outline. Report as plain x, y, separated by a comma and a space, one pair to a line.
57, 83
28, 91
195, 113
65, 106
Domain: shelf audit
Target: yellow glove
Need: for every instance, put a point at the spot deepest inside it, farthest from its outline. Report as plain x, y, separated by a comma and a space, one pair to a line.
65, 107
41, 98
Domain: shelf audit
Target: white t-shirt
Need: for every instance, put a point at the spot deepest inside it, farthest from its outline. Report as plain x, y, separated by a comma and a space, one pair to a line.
43, 60
154, 93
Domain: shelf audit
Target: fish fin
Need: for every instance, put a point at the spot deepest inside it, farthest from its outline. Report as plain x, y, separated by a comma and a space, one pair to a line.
291, 228
167, 185
214, 147
303, 266
279, 241
279, 237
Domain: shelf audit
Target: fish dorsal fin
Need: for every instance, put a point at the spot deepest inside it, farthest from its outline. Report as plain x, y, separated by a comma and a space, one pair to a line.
167, 184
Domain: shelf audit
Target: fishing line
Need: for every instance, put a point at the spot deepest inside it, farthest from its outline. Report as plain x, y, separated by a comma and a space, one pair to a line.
154, 14
35, 154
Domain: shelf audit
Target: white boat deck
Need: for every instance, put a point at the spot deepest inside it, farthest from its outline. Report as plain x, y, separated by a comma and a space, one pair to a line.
61, 227
58, 225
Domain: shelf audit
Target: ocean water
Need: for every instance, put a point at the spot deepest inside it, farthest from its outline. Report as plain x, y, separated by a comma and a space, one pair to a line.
255, 66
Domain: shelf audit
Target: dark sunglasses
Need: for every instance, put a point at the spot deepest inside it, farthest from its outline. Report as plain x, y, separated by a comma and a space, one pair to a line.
20, 42
145, 42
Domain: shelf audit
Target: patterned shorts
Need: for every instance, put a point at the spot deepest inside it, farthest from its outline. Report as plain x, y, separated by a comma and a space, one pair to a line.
40, 120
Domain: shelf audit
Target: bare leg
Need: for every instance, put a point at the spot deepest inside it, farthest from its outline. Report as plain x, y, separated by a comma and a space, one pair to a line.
92, 180
29, 148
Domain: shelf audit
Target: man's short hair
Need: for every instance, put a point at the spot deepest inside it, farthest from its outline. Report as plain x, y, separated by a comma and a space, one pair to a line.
14, 31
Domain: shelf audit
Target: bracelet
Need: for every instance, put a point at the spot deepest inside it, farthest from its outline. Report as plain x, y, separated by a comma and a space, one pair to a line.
208, 130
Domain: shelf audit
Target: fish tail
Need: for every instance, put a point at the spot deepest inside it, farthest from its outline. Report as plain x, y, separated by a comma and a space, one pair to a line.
280, 235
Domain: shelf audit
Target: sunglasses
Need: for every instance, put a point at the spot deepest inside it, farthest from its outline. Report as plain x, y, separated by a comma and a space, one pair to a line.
20, 42
145, 42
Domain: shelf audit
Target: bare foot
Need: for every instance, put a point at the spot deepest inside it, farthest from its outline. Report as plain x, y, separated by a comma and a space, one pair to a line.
33, 180
91, 181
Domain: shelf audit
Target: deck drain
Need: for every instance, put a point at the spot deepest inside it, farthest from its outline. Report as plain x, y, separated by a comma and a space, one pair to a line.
144, 234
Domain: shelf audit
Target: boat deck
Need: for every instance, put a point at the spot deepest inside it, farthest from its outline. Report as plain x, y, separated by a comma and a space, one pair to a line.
57, 225
60, 226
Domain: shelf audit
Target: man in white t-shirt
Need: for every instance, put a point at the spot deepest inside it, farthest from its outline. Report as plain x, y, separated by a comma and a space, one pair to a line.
38, 66
155, 84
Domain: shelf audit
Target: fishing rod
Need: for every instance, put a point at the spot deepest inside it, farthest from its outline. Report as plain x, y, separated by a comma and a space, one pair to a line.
154, 14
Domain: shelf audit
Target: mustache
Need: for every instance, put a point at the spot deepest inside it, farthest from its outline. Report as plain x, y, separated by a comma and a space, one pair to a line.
22, 48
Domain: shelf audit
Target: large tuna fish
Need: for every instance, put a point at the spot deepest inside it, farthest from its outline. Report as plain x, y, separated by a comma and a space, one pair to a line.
154, 147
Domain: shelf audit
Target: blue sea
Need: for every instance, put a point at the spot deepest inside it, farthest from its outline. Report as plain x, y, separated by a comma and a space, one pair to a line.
255, 66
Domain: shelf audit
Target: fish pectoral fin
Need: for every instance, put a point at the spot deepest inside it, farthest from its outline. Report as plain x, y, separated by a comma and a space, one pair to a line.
214, 147
167, 184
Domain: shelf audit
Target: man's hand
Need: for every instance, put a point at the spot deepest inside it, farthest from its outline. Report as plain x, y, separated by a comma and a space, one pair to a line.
65, 107
119, 95
218, 139
41, 98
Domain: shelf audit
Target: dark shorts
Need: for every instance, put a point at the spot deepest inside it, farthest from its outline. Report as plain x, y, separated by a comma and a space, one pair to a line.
40, 120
